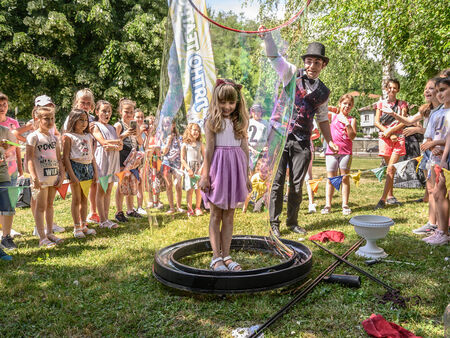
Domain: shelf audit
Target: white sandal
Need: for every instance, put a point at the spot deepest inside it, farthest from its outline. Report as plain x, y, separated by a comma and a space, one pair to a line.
213, 267
233, 265
78, 231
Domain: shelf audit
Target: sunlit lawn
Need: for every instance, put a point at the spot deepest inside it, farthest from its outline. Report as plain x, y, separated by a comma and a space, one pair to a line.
103, 286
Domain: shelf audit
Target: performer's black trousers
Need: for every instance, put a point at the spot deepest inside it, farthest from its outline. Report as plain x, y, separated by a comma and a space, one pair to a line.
297, 155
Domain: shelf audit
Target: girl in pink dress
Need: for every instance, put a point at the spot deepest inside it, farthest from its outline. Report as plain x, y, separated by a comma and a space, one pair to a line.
343, 131
225, 180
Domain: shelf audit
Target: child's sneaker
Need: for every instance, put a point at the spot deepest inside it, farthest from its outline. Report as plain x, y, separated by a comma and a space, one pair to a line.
312, 208
150, 205
180, 210
159, 205
93, 218
141, 211
15, 233
198, 212
438, 238
133, 214
190, 212
4, 256
426, 229
8, 243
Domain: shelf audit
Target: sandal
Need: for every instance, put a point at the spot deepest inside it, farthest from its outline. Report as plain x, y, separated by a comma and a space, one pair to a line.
232, 266
46, 243
108, 224
325, 210
112, 225
346, 210
170, 212
78, 231
88, 231
55, 239
213, 266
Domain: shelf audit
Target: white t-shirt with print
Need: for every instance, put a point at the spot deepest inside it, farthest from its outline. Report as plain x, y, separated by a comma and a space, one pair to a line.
45, 160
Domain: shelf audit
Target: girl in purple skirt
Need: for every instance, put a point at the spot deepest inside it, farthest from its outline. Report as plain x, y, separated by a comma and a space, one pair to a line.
225, 182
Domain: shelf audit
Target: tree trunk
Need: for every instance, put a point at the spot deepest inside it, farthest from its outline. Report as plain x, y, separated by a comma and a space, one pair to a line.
388, 73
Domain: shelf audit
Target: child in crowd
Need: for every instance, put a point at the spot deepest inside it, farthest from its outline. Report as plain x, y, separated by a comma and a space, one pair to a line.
139, 117
12, 156
225, 177
426, 111
171, 160
47, 172
442, 117
153, 172
391, 139
130, 135
257, 133
107, 159
78, 157
6, 209
343, 131
84, 99
260, 187
192, 155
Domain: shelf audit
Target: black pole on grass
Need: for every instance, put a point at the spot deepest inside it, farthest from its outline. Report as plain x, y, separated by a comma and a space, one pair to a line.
365, 273
303, 293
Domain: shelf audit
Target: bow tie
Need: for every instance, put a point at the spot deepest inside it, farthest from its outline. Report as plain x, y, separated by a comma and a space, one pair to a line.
311, 81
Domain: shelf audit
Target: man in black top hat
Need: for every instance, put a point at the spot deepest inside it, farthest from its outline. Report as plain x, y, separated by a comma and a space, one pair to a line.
311, 100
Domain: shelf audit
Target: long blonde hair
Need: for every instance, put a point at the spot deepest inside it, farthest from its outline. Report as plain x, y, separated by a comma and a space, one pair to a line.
227, 90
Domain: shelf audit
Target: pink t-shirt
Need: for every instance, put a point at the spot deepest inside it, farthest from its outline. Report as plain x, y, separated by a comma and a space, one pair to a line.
400, 105
340, 136
10, 155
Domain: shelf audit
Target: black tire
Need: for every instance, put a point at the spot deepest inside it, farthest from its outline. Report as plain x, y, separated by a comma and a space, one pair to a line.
168, 270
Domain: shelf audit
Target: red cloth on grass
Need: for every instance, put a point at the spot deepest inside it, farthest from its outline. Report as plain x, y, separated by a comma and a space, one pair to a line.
329, 235
377, 326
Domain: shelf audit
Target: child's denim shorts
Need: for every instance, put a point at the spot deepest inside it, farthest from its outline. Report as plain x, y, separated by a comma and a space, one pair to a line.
83, 172
5, 205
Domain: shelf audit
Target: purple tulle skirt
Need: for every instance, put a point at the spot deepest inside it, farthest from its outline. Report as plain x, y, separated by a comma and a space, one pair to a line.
228, 176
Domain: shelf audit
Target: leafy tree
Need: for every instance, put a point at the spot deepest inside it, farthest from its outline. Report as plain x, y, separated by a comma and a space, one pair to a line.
58, 47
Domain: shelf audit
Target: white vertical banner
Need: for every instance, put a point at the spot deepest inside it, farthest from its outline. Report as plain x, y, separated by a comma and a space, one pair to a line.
195, 57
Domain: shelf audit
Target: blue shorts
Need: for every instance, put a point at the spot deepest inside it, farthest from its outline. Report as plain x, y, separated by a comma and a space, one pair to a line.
5, 205
426, 158
83, 172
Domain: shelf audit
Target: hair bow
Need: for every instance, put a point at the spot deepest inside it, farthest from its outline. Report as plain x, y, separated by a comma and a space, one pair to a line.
220, 82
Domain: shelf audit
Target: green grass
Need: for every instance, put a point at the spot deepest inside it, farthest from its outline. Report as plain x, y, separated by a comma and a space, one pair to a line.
103, 286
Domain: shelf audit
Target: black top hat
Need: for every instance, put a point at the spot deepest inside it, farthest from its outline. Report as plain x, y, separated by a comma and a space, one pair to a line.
316, 49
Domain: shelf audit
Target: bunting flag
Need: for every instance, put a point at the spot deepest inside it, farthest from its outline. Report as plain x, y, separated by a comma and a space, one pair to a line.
437, 171
12, 143
379, 172
85, 186
121, 174
447, 179
158, 164
63, 190
135, 172
401, 168
336, 181
13, 194
104, 182
260, 187
314, 184
195, 179
418, 159
356, 177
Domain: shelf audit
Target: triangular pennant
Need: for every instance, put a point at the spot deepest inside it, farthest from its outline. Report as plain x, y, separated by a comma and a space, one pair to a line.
135, 172
336, 181
437, 171
418, 159
104, 182
356, 177
158, 164
13, 193
314, 184
195, 179
379, 172
447, 179
121, 175
63, 190
401, 168
85, 186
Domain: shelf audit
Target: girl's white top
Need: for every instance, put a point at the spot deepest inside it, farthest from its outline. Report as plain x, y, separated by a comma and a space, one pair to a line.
226, 138
82, 147
45, 159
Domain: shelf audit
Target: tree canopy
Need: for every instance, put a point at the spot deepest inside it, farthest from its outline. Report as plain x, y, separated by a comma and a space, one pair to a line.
57, 47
